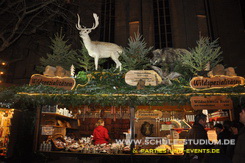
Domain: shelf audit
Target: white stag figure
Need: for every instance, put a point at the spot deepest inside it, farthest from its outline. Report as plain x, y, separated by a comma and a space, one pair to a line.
97, 49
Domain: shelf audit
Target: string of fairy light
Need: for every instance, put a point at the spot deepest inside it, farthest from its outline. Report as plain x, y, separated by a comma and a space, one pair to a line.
2, 71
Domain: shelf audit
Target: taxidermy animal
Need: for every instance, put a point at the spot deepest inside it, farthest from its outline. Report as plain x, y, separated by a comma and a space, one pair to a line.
98, 49
163, 62
166, 77
167, 57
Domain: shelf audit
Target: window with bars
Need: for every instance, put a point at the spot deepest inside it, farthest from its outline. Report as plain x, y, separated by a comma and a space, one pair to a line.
162, 24
107, 20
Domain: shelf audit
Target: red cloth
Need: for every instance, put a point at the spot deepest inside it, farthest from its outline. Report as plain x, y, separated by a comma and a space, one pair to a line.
100, 135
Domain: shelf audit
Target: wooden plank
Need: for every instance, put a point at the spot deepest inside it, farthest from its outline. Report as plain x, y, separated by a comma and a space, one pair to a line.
216, 82
148, 114
57, 82
211, 102
149, 76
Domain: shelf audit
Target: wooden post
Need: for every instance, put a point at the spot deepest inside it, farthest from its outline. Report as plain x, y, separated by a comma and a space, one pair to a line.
37, 128
231, 115
132, 136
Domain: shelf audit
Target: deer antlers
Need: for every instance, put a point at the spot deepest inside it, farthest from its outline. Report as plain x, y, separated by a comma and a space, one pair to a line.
95, 25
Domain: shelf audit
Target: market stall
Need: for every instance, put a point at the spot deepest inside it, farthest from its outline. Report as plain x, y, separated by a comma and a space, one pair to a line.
142, 109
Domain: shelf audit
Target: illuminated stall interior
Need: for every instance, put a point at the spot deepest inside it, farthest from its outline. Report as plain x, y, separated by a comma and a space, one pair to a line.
5, 124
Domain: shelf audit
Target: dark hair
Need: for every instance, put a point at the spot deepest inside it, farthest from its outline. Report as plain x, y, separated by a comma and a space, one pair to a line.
218, 125
236, 124
227, 124
200, 116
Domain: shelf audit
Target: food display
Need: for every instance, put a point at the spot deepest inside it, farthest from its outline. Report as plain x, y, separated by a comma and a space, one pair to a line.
85, 145
59, 142
219, 114
5, 123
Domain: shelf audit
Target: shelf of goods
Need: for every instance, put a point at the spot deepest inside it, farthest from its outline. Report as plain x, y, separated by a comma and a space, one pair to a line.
218, 119
60, 124
58, 115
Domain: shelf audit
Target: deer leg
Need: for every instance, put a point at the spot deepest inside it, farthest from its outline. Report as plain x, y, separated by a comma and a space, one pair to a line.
118, 63
96, 62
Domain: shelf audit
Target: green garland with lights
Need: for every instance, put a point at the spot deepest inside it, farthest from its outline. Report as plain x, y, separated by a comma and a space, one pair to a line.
109, 89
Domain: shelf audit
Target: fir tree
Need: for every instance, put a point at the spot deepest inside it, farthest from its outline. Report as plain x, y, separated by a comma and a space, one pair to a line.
204, 53
62, 54
85, 61
134, 57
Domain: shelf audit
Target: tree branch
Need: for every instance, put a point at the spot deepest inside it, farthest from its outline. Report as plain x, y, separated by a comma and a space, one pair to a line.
22, 16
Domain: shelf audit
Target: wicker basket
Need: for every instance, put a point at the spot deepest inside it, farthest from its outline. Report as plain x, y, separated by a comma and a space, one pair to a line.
56, 140
74, 150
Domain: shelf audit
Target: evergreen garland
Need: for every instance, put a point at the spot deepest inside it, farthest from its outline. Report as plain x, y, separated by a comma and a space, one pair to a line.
97, 93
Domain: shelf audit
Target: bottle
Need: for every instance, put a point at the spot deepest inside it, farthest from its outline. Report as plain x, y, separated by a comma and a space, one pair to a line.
44, 146
49, 146
41, 147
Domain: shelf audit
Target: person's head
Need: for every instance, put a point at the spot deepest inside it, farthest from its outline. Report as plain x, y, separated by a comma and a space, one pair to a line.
201, 119
235, 127
242, 116
218, 128
227, 124
100, 122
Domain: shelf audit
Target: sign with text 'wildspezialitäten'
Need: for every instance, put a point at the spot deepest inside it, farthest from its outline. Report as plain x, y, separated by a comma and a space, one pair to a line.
149, 76
211, 102
57, 82
216, 82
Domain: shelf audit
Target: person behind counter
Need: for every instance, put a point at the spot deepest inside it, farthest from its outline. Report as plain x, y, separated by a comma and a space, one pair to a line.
100, 134
218, 129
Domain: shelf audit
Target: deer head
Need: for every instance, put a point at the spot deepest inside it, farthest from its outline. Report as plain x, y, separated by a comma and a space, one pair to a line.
85, 31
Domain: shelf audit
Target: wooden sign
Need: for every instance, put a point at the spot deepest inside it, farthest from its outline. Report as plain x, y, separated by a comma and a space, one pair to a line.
165, 127
149, 76
216, 82
57, 82
211, 102
148, 114
47, 130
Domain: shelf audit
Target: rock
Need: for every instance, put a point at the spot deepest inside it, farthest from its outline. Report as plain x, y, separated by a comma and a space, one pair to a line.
49, 71
61, 72
56, 71
219, 69
141, 84
230, 71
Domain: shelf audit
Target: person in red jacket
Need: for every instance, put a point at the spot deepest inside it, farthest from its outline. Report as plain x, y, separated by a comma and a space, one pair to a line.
100, 134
